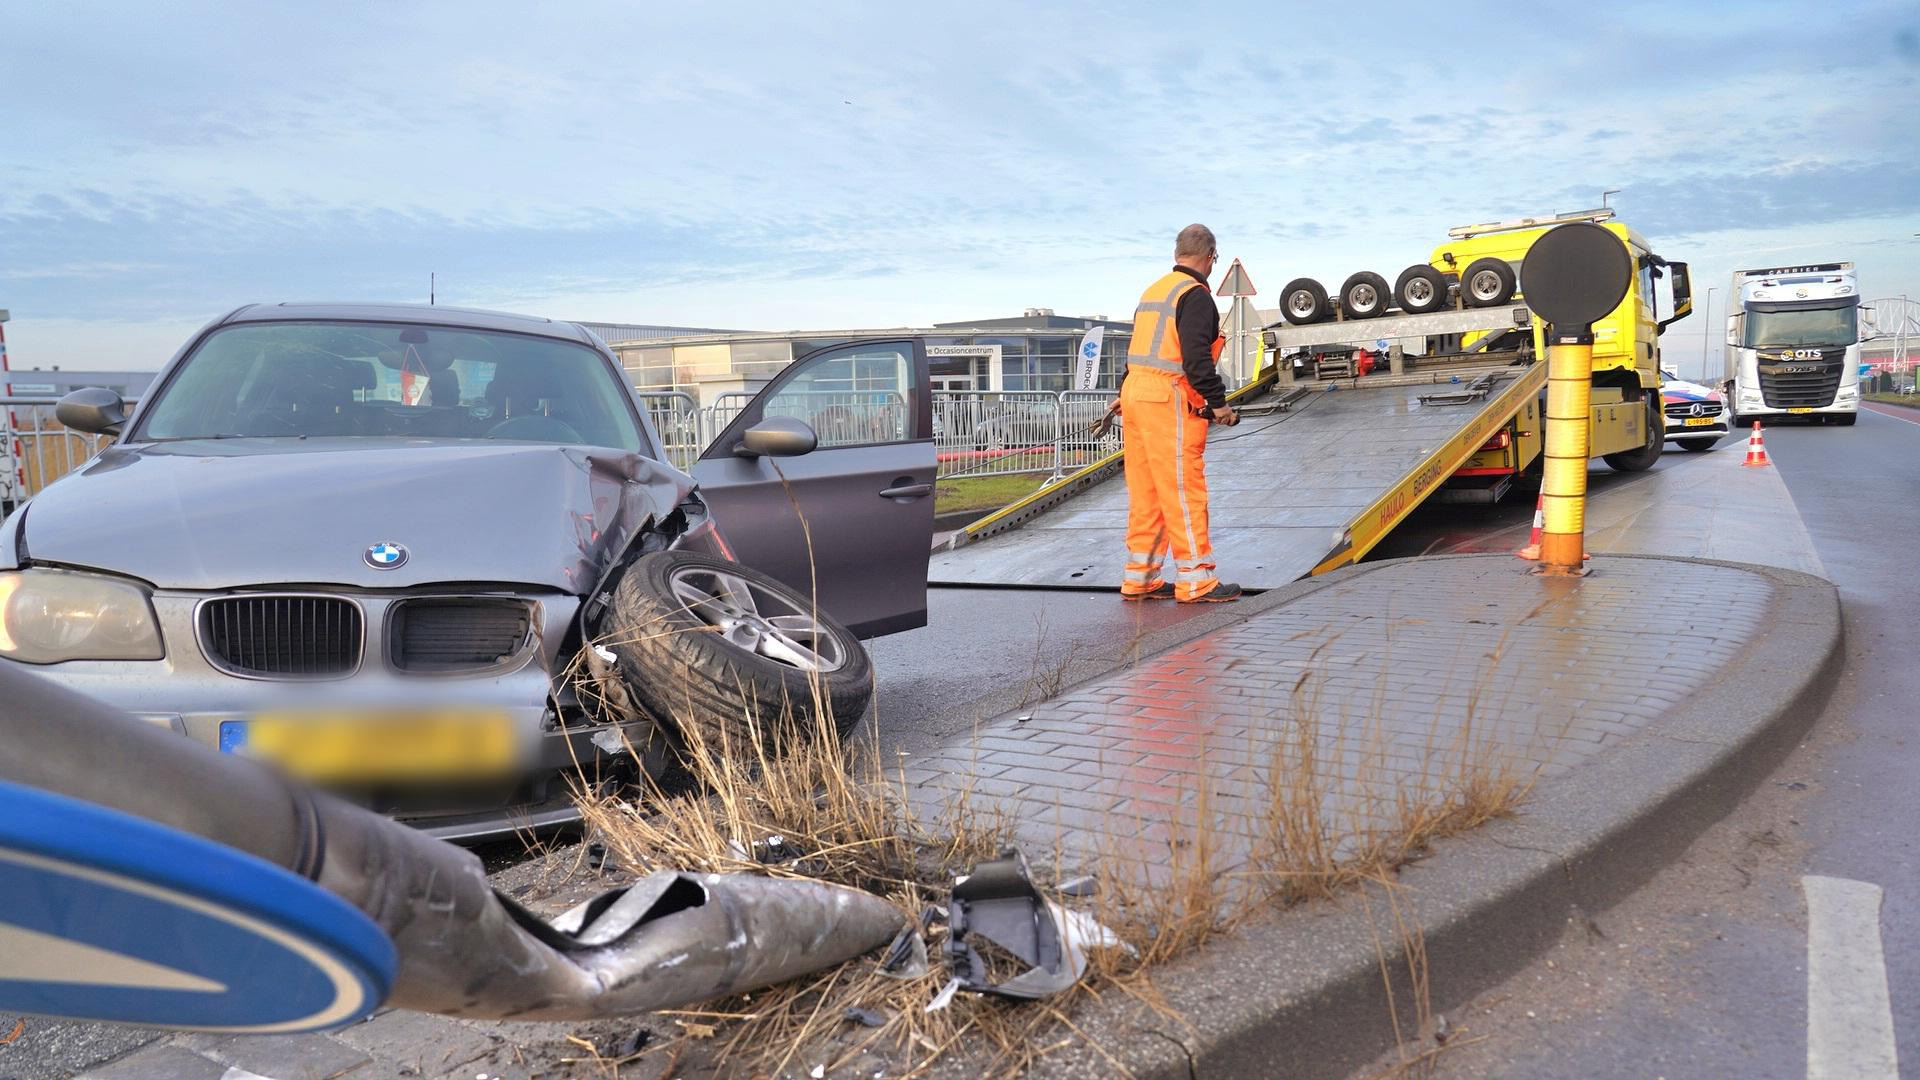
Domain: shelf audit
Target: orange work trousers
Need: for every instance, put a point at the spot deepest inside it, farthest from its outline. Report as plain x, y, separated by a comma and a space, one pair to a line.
1166, 486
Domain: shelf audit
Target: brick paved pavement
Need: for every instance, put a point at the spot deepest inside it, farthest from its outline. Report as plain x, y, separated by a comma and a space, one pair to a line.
1399, 671
1397, 667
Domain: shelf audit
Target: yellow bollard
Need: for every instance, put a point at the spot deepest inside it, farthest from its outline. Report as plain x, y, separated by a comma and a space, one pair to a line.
1563, 487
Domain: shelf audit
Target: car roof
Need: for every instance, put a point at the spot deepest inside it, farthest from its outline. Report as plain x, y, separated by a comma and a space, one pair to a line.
422, 314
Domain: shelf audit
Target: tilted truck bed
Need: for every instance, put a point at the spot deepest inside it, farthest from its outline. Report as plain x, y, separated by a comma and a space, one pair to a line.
1291, 493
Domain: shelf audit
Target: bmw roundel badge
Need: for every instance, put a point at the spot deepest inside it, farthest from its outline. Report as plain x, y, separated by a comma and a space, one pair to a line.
386, 556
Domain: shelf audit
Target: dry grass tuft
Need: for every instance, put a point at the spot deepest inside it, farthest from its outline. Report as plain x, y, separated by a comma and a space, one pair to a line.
1329, 815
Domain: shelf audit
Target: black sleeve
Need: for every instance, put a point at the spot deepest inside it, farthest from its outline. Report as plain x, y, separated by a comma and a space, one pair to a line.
1199, 323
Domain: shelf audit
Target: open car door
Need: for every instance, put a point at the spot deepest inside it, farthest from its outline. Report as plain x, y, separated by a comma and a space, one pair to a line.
851, 521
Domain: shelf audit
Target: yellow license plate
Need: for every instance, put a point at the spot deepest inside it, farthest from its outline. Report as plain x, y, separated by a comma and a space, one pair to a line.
447, 744
1802, 409
1698, 421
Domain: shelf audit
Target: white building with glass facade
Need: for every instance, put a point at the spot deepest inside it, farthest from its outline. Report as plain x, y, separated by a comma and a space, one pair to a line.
1034, 351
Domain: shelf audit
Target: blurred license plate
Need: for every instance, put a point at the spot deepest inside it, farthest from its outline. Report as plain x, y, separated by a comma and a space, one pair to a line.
1802, 409
1699, 421
447, 744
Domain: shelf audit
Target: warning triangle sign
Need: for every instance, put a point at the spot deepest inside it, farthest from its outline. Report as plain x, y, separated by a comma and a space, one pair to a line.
1236, 283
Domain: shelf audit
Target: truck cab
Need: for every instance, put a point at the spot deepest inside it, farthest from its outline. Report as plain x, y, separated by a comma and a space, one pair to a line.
1628, 425
1793, 344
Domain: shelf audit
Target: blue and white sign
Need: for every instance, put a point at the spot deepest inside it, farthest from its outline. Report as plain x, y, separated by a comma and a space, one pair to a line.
111, 917
1087, 374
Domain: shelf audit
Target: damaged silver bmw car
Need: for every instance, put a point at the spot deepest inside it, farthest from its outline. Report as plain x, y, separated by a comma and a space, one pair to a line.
380, 544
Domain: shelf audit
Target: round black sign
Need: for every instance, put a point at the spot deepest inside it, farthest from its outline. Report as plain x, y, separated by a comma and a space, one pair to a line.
1576, 274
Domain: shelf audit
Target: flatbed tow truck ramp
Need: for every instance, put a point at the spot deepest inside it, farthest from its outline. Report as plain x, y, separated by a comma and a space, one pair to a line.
1311, 478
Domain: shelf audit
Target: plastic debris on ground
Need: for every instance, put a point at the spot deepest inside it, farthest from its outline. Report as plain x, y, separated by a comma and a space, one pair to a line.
999, 903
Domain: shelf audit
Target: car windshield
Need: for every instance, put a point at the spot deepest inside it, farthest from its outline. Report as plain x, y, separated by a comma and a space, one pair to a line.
1797, 327
375, 380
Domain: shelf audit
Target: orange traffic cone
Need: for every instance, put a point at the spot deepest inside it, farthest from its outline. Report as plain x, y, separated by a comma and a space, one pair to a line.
1756, 448
1532, 550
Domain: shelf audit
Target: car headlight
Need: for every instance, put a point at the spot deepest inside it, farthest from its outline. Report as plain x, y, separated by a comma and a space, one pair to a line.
47, 616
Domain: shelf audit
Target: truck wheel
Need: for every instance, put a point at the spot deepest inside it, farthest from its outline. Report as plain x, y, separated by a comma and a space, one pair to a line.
1420, 289
1303, 301
710, 643
1487, 283
1698, 445
1642, 459
1365, 295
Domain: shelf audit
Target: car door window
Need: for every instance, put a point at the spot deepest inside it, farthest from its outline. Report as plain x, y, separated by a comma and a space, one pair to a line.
853, 396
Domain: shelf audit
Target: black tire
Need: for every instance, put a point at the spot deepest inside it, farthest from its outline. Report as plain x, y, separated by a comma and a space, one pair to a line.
1420, 289
1304, 301
1845, 419
1697, 445
1487, 283
1365, 295
684, 669
1643, 459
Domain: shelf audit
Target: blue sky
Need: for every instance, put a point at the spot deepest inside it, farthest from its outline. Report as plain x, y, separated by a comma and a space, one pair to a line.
834, 164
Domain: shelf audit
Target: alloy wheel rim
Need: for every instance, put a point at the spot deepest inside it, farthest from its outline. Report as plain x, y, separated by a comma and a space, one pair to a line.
754, 619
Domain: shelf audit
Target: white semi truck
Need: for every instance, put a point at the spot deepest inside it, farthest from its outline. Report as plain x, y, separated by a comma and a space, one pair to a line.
1793, 343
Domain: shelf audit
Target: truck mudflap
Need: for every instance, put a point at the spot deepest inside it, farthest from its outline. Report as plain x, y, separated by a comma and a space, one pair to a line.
1294, 492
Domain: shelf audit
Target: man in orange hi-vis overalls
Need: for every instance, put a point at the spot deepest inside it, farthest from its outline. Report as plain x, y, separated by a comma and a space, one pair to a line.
1171, 393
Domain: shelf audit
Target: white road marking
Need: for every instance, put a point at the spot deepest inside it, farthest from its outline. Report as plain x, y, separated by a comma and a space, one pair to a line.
1891, 410
1849, 1012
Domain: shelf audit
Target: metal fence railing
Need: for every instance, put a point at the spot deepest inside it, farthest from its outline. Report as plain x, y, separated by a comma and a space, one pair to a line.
976, 433
984, 433
676, 416
36, 449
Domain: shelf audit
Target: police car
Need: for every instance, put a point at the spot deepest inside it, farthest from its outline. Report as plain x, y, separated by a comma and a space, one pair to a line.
1696, 415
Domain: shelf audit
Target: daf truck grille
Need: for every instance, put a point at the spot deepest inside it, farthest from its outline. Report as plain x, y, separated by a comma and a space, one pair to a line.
1796, 384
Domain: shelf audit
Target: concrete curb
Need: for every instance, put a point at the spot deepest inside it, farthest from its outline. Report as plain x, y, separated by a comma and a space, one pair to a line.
1302, 994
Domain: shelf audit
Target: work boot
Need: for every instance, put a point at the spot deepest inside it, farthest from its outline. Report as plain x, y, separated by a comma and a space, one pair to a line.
1220, 594
1162, 591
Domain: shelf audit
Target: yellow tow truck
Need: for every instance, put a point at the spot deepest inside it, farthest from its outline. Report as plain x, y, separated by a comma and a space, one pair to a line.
1370, 402
1480, 268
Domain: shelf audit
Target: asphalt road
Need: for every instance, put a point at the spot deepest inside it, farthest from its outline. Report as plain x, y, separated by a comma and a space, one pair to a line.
1704, 971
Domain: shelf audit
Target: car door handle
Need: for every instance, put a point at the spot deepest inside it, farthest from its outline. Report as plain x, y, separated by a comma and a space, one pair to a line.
909, 491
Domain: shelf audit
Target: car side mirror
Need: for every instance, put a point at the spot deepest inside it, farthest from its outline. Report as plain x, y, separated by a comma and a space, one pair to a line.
777, 436
94, 410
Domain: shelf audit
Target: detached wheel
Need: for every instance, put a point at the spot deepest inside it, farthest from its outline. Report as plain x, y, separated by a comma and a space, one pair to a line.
1365, 295
1697, 445
1420, 289
1643, 459
706, 642
1487, 283
1303, 301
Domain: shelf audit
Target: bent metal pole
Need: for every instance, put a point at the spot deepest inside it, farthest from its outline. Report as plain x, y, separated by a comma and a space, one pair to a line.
1563, 488
670, 939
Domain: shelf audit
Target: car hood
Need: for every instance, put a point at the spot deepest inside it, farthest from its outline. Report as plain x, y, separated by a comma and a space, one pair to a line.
216, 514
1682, 390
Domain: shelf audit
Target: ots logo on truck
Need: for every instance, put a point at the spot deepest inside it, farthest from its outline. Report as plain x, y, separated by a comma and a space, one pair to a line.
1800, 354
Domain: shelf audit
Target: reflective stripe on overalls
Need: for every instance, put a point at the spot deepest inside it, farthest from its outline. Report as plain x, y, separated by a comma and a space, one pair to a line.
1165, 441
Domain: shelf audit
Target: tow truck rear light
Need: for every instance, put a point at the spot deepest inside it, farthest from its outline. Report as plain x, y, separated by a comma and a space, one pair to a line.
1500, 441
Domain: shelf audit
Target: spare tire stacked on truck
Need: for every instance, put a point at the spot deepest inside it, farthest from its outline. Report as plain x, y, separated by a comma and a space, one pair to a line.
1419, 290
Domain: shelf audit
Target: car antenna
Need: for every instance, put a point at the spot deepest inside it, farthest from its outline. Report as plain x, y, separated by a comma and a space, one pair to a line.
431, 282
